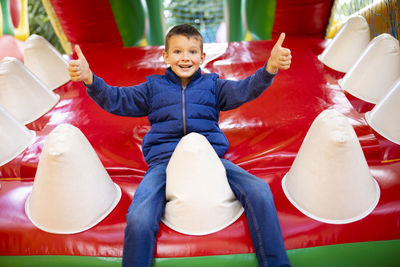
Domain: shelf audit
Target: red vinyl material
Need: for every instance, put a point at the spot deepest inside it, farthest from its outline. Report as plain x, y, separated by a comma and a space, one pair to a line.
87, 21
302, 18
264, 137
11, 47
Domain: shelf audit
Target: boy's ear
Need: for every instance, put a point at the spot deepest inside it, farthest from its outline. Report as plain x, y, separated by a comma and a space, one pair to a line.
203, 57
165, 56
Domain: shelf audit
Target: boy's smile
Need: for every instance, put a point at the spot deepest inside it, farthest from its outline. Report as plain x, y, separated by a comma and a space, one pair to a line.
184, 55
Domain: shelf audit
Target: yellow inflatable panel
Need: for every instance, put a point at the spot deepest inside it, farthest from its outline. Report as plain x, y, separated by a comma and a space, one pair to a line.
376, 15
22, 32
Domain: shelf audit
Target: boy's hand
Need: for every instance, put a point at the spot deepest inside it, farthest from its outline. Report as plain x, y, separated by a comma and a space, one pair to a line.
280, 57
79, 70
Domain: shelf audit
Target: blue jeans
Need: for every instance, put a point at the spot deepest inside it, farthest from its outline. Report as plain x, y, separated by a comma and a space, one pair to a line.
148, 205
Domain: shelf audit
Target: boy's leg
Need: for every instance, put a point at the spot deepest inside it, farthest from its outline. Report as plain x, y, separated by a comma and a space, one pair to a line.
142, 220
256, 198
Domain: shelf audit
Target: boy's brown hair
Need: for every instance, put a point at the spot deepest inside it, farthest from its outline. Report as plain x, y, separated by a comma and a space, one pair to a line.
186, 30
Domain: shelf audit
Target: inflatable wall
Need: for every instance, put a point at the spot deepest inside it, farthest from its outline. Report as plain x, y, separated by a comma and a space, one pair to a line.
265, 136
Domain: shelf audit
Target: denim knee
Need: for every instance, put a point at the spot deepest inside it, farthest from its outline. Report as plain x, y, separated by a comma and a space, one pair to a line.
260, 190
138, 222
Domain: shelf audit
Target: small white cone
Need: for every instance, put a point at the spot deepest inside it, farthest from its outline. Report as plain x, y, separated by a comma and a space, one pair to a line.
385, 116
22, 93
373, 74
14, 137
347, 45
72, 191
199, 198
45, 62
329, 179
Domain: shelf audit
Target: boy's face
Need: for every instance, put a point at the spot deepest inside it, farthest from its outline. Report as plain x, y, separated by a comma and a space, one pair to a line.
184, 56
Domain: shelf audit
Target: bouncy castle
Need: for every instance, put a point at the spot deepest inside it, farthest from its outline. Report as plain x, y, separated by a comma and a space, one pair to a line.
325, 136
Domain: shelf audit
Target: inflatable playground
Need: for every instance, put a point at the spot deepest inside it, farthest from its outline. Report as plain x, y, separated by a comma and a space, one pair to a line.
325, 136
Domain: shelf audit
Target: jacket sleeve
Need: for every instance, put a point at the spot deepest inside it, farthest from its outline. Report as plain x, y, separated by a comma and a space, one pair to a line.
232, 94
124, 101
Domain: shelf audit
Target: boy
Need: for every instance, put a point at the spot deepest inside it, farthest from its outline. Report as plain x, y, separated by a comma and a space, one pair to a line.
182, 101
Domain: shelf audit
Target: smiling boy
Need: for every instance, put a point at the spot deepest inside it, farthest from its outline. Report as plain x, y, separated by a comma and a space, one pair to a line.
181, 101
184, 55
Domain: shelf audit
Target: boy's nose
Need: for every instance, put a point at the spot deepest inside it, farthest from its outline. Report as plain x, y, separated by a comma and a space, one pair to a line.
185, 56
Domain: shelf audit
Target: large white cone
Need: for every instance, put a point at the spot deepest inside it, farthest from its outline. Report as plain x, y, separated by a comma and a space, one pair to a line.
22, 93
385, 116
199, 198
347, 45
72, 191
45, 62
373, 74
14, 137
329, 179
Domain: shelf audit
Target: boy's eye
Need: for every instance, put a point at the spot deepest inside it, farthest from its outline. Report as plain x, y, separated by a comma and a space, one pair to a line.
176, 52
193, 51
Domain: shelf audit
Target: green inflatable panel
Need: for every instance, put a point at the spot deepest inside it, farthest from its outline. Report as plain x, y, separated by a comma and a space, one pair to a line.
260, 16
377, 253
238, 260
8, 27
235, 24
154, 13
130, 18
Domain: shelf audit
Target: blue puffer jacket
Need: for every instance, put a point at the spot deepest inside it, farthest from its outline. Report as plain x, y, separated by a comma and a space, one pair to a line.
174, 111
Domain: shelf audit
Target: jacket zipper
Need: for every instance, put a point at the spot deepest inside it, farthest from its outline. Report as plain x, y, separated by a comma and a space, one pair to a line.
183, 110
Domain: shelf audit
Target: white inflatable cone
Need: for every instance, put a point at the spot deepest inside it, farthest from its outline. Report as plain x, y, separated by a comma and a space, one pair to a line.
199, 198
329, 179
347, 45
45, 62
384, 118
14, 137
373, 74
22, 93
72, 191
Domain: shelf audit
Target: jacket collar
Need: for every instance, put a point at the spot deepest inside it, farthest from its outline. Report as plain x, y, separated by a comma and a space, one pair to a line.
175, 79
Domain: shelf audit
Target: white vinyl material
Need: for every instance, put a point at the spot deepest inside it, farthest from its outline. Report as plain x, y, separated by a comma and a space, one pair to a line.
72, 191
199, 198
329, 179
23, 95
373, 74
14, 137
347, 45
385, 116
45, 62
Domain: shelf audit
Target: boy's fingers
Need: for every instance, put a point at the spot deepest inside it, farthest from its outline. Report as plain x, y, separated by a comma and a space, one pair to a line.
281, 39
73, 69
73, 66
285, 52
79, 52
73, 63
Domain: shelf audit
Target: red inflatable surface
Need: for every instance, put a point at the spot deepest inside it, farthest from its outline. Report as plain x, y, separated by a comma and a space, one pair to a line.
264, 137
302, 18
295, 17
11, 47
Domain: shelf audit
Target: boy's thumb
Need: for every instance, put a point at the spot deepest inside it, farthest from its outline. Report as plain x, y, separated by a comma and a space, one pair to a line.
281, 39
79, 52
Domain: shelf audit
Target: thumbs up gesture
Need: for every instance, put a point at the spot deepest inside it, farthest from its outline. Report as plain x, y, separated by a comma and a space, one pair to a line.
280, 57
79, 70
